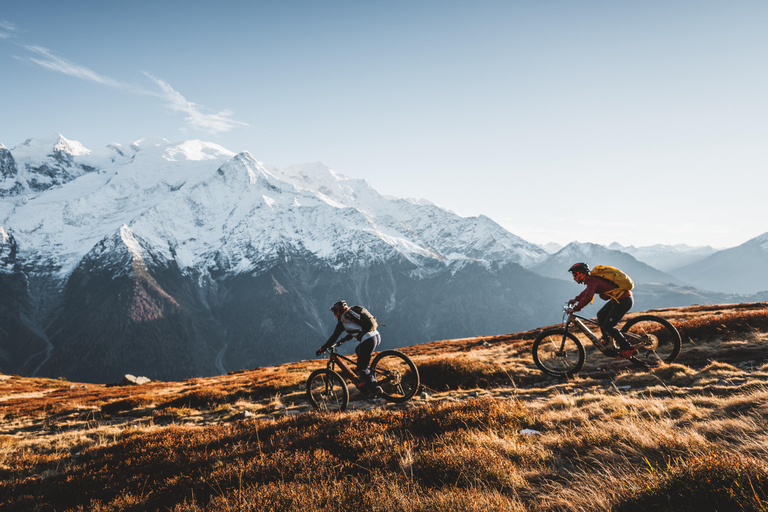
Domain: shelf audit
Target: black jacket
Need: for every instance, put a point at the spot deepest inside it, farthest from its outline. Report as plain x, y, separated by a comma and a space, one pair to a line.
356, 321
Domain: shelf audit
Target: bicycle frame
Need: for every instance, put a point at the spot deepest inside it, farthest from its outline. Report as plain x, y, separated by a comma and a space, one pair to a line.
579, 322
345, 371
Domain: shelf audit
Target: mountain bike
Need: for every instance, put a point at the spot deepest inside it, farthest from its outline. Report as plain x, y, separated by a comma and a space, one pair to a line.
395, 372
558, 352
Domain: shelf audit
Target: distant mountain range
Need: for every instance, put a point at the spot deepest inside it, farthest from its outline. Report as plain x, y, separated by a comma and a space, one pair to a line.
180, 260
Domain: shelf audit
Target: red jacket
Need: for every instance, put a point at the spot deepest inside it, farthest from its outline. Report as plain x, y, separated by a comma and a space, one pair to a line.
596, 285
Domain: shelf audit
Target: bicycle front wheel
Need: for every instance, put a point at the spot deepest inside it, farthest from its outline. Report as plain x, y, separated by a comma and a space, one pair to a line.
327, 391
396, 374
656, 339
558, 353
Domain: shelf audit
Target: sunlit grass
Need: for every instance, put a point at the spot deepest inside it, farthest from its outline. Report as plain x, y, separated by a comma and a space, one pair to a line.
492, 434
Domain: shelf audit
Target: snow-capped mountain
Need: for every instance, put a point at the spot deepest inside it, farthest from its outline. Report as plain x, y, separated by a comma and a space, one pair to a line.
238, 256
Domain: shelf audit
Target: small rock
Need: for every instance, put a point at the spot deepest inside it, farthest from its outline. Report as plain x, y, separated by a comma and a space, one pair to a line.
130, 380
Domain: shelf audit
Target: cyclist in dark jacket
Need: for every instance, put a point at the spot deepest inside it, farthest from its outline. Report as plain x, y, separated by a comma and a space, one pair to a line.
610, 314
358, 323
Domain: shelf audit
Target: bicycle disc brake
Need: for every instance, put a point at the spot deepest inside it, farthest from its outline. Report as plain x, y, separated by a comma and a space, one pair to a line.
648, 342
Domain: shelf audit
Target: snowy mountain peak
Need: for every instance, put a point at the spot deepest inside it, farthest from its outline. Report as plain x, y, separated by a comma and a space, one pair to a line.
74, 148
244, 169
129, 239
48, 146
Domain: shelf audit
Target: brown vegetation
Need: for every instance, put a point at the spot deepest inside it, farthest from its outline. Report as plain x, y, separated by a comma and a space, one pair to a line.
489, 432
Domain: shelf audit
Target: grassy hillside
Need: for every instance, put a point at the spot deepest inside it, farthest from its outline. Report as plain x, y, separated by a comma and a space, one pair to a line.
489, 432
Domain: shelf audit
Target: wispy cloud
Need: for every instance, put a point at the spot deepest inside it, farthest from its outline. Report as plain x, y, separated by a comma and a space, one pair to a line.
209, 122
53, 63
7, 29
197, 116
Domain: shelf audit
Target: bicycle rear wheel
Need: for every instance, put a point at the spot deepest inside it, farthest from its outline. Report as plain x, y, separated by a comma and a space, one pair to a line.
656, 340
558, 353
327, 391
396, 374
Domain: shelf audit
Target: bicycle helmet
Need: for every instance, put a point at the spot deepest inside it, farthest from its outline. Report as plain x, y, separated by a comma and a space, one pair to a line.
339, 306
579, 267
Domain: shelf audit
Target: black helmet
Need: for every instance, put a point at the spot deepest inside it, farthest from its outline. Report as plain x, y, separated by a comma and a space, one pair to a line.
339, 306
579, 267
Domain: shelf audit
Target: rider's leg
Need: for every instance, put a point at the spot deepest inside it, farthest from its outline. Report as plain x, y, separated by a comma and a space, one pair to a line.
605, 337
610, 315
364, 351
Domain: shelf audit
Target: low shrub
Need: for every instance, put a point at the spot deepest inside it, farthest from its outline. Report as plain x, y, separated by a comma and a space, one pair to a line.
714, 481
200, 398
723, 326
458, 372
126, 404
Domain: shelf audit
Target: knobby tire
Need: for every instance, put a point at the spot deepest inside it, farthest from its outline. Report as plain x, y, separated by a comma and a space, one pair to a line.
557, 353
327, 391
649, 327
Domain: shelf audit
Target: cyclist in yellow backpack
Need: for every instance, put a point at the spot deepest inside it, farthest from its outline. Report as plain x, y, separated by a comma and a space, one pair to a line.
620, 301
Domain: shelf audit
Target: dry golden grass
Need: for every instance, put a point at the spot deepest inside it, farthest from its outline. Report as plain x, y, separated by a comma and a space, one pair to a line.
492, 433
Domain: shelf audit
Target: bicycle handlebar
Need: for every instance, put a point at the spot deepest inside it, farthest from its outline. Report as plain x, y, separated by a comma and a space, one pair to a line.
332, 347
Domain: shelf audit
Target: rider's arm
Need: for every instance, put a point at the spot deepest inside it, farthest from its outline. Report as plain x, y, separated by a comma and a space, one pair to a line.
336, 333
586, 296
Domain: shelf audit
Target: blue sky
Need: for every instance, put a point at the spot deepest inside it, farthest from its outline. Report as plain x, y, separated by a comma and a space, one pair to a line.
637, 122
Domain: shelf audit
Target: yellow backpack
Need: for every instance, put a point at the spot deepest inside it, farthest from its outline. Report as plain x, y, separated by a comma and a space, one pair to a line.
622, 281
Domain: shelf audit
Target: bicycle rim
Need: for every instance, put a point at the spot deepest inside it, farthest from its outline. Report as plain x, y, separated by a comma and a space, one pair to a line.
557, 353
327, 391
656, 339
396, 374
